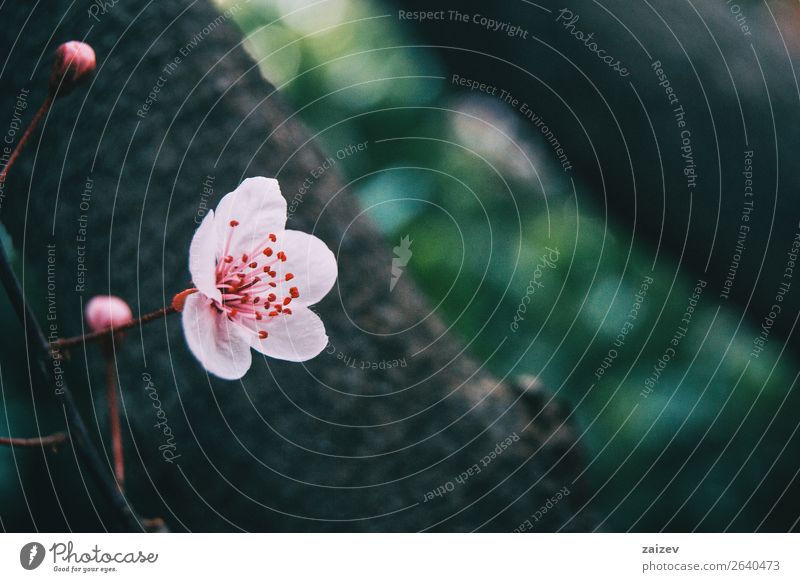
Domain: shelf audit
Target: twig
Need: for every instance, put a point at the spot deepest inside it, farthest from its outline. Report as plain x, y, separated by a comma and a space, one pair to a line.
79, 339
28, 132
53, 440
113, 417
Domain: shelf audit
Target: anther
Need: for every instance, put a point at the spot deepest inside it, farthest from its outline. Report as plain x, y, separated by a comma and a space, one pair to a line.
262, 334
289, 276
294, 292
234, 223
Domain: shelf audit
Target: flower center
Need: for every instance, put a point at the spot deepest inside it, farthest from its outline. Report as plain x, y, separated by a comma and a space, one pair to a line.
251, 289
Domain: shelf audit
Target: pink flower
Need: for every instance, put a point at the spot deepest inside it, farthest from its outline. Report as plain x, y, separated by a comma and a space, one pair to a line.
106, 311
74, 62
255, 282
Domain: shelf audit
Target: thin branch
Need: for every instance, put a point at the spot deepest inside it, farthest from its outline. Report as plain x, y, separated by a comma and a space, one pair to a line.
53, 440
79, 339
25, 136
113, 418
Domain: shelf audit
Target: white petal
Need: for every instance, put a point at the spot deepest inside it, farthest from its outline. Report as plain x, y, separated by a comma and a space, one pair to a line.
259, 208
203, 258
297, 337
219, 344
310, 261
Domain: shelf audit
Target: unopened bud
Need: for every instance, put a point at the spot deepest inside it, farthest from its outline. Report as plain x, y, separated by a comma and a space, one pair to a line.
74, 62
107, 311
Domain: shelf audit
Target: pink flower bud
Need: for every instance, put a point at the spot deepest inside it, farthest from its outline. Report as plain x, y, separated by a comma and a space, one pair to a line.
107, 311
74, 62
